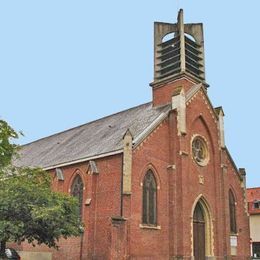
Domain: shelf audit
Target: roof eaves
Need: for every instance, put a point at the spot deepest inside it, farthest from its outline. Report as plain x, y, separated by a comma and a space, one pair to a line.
254, 188
94, 157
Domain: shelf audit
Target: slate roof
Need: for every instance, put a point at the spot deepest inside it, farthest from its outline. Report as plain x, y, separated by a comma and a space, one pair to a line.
92, 139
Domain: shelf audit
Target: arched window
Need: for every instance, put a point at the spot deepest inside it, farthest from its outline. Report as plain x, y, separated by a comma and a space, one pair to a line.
198, 215
232, 213
149, 199
77, 191
199, 232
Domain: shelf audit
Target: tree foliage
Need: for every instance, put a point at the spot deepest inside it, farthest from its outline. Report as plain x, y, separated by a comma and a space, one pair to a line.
29, 209
7, 149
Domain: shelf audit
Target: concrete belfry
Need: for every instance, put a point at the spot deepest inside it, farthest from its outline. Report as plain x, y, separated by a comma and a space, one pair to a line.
178, 50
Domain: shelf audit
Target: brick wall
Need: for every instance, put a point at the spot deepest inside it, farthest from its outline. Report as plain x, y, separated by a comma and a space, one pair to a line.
181, 182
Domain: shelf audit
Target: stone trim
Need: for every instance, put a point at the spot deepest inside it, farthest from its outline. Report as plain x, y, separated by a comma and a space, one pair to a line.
143, 226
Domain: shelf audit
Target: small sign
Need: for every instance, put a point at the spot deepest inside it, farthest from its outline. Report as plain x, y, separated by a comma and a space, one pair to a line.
233, 240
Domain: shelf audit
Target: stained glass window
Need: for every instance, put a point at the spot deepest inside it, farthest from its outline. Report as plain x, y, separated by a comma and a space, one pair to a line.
149, 199
232, 212
77, 191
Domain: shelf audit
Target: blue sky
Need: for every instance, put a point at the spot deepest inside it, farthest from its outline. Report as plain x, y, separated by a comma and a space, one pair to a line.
65, 63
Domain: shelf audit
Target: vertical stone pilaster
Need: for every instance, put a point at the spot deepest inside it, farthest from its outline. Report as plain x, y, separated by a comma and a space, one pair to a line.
182, 40
220, 113
221, 129
242, 172
179, 103
224, 202
127, 162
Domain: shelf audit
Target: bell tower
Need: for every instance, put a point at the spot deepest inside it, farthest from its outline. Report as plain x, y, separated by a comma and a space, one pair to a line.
178, 57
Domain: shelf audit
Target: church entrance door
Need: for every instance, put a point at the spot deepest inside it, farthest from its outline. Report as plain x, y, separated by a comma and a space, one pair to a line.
199, 233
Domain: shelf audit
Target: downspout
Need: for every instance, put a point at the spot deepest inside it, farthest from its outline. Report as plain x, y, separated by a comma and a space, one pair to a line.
81, 246
95, 218
121, 186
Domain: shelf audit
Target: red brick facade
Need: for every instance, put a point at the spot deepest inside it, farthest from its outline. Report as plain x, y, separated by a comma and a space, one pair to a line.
194, 202
113, 221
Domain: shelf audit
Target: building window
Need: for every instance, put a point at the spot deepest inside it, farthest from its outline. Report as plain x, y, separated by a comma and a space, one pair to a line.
256, 249
200, 151
149, 199
232, 213
256, 204
77, 192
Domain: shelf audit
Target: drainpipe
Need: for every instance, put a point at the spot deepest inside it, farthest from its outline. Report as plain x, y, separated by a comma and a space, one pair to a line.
121, 187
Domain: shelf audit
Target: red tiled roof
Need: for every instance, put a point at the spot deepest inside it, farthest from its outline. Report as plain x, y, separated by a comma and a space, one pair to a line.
253, 194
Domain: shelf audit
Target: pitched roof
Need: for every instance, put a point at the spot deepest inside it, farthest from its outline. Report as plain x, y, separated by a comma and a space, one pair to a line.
95, 138
253, 196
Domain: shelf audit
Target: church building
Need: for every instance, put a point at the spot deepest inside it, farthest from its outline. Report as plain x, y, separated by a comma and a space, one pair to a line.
155, 181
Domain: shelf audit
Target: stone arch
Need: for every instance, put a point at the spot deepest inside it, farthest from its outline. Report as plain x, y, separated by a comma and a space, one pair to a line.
205, 125
151, 167
209, 239
231, 188
74, 174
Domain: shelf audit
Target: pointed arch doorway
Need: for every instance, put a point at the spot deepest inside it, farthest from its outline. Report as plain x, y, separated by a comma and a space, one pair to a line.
199, 236
202, 230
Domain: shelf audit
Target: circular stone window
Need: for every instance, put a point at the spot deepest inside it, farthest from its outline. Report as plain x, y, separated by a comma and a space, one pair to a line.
200, 151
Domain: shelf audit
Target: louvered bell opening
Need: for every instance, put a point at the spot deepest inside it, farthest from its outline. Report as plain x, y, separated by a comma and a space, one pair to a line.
168, 58
193, 59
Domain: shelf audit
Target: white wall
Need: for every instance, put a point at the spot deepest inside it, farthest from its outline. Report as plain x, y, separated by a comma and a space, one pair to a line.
255, 228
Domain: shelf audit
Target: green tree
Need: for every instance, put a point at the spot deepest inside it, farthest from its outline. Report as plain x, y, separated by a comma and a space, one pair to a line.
7, 149
29, 209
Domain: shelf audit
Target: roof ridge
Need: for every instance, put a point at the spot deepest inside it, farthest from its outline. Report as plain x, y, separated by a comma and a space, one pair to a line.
91, 122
